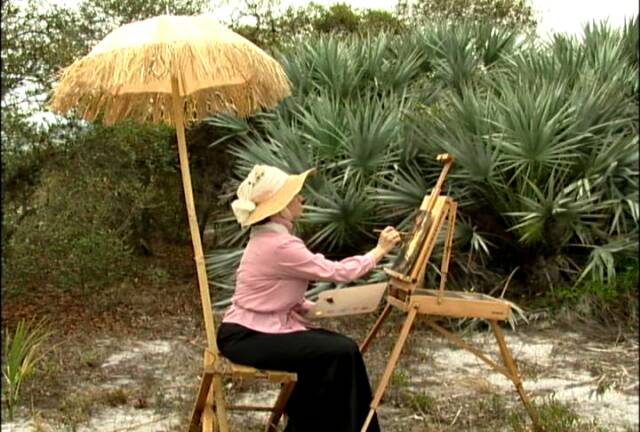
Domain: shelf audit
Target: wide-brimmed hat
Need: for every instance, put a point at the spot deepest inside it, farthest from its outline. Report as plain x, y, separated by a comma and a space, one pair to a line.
266, 191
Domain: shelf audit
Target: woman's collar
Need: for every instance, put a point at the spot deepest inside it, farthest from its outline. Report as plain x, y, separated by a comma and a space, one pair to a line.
282, 221
276, 224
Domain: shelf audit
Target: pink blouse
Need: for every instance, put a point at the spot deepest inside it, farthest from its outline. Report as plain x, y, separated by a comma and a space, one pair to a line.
274, 274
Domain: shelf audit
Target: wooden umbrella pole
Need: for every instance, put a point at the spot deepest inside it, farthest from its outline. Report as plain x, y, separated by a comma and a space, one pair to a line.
178, 118
215, 396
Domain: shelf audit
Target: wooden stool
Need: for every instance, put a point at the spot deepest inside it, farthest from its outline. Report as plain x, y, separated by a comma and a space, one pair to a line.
209, 413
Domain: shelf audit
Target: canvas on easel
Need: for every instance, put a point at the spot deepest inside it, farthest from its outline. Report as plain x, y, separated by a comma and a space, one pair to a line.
406, 292
407, 257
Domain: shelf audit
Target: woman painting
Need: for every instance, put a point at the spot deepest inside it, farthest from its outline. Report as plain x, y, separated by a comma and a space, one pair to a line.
265, 325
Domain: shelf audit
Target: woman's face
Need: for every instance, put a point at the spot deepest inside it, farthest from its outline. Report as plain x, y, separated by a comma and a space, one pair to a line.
295, 207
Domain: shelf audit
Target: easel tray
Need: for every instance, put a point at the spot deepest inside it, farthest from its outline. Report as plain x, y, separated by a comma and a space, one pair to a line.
455, 304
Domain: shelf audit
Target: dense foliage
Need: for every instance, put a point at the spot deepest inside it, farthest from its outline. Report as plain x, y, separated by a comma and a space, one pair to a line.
78, 200
81, 223
545, 136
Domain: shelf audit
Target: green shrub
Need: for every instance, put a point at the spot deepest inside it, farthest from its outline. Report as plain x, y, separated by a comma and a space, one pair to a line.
22, 351
98, 201
613, 303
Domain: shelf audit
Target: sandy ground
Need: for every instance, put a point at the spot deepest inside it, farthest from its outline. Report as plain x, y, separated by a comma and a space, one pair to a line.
436, 386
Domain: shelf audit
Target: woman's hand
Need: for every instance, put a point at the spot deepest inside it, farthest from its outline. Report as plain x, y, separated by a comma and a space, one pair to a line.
389, 238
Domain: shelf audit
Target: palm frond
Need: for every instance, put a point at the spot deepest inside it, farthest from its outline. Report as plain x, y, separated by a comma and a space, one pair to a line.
398, 73
601, 263
297, 65
537, 130
402, 192
630, 38
370, 53
471, 140
494, 43
560, 212
457, 62
344, 217
233, 126
334, 67
221, 265
323, 125
374, 126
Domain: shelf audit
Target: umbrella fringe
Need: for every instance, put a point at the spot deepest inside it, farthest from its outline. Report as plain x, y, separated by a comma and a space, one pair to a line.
135, 83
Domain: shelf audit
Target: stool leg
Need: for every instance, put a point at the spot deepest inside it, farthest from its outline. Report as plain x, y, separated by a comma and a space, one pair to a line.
220, 407
208, 419
201, 401
280, 405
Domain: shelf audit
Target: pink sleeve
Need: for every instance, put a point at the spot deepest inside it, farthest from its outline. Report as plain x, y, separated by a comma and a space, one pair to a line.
295, 260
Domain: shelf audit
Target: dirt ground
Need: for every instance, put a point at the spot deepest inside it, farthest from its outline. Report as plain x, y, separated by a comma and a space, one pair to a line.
129, 359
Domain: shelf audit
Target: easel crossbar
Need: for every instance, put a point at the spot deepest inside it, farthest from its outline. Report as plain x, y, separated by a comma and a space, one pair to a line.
464, 345
249, 407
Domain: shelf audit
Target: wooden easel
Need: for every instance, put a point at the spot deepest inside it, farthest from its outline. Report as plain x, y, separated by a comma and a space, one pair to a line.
405, 292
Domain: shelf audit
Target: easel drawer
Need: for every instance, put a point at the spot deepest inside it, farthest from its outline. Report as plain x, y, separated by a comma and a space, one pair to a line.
480, 307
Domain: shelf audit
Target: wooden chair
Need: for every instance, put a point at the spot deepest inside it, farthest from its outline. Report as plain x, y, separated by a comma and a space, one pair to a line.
209, 412
405, 292
210, 409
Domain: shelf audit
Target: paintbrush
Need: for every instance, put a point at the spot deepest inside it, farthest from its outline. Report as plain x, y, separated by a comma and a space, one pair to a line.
402, 233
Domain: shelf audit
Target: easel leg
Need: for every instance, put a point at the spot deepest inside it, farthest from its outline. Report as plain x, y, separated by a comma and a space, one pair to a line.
375, 328
391, 364
515, 377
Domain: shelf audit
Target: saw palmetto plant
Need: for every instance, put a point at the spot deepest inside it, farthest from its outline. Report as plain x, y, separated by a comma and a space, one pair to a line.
544, 134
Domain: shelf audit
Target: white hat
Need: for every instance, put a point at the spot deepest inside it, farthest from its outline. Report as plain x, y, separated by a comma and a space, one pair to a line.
266, 191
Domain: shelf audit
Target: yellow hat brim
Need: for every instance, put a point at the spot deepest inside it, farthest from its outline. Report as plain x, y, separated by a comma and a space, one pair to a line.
279, 200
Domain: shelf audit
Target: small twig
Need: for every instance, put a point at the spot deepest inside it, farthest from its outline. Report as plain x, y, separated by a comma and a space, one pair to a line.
546, 273
506, 284
456, 417
605, 350
127, 428
620, 335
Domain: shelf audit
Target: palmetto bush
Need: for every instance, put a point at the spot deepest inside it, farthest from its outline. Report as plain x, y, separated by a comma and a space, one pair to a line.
548, 148
544, 135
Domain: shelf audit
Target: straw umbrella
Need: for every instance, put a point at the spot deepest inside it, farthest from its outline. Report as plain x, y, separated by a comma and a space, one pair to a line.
173, 69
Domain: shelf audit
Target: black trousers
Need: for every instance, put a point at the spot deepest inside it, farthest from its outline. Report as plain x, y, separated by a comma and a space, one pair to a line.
332, 393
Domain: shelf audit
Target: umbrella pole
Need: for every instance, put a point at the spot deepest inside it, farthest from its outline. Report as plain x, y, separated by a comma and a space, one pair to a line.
216, 388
